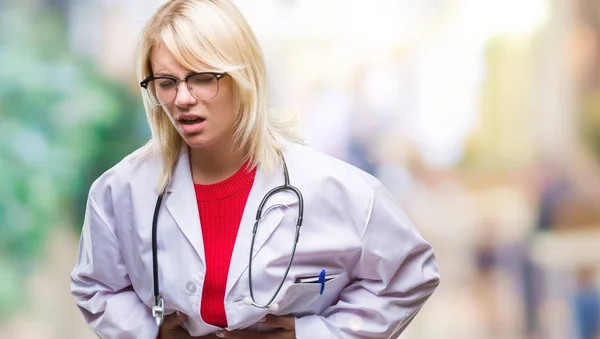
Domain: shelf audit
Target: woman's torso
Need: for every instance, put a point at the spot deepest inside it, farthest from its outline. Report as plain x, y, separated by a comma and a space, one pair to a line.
337, 199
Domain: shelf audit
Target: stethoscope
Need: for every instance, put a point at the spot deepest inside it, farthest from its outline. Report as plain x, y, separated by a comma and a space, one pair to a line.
158, 310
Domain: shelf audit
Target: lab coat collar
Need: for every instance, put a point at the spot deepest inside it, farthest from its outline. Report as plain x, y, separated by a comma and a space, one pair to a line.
181, 203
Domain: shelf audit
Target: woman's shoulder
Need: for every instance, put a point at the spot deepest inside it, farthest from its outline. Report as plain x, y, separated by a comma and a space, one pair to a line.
321, 166
332, 184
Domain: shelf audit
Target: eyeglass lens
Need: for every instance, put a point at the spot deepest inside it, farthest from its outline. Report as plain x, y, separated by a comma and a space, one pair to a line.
163, 91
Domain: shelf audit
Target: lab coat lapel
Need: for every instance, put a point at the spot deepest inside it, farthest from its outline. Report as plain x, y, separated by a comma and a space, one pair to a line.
181, 203
273, 213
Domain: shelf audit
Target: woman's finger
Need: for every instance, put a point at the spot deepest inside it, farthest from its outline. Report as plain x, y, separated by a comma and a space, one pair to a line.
173, 321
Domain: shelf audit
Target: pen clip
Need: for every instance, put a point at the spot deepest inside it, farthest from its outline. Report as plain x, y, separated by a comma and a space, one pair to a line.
322, 281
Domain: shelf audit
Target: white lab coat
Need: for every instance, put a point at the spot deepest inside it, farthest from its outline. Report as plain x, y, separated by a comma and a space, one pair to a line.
353, 228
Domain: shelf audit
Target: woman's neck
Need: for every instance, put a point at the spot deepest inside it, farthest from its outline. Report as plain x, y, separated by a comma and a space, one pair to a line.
216, 164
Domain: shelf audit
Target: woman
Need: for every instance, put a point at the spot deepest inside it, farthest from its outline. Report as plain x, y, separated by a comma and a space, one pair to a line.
359, 270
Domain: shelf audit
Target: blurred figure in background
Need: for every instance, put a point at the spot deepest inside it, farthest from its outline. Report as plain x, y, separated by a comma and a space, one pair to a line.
552, 190
486, 255
586, 304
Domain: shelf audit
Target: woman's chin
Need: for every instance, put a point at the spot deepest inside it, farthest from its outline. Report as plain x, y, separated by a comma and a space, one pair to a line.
196, 144
198, 141
205, 140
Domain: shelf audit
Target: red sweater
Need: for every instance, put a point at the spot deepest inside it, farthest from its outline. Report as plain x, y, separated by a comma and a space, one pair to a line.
221, 206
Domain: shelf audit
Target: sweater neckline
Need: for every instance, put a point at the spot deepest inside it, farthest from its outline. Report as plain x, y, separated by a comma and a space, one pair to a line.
239, 181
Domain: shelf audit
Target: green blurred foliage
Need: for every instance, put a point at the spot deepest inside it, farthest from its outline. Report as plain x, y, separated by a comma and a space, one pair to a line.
62, 123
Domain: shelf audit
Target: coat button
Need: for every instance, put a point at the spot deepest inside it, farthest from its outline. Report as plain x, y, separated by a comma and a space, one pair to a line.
190, 288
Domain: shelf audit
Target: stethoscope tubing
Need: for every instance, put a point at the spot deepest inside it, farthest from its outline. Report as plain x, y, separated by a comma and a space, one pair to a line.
158, 309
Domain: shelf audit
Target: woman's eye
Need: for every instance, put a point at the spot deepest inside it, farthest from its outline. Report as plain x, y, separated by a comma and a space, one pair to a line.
200, 79
166, 83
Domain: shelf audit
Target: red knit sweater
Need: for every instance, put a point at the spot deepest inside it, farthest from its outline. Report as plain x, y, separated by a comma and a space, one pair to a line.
221, 206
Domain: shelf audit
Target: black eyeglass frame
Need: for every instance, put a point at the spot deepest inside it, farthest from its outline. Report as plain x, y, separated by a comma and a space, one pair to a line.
218, 76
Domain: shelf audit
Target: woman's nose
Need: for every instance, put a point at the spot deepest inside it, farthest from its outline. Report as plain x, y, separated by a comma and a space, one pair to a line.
184, 96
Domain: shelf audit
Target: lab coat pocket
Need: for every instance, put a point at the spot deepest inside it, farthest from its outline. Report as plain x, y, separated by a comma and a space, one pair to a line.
305, 298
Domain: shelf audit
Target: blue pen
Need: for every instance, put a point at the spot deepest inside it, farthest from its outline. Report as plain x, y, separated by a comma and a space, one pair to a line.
322, 281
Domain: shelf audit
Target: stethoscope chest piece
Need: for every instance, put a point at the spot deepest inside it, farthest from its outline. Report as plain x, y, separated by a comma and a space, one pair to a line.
274, 307
158, 310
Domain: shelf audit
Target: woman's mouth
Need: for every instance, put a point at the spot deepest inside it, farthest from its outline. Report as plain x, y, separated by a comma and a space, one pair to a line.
191, 123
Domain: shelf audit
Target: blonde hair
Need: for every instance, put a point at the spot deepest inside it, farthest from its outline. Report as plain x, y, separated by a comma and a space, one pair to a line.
212, 35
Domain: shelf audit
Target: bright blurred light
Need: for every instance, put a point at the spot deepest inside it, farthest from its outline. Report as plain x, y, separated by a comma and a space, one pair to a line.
508, 17
366, 27
449, 87
518, 16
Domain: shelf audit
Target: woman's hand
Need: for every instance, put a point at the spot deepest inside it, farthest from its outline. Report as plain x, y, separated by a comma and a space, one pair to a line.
285, 329
171, 328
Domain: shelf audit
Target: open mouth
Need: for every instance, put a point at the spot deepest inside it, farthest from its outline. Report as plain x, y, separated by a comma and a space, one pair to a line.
190, 120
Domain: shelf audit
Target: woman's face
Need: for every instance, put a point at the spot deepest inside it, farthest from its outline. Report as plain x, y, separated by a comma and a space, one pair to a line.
201, 123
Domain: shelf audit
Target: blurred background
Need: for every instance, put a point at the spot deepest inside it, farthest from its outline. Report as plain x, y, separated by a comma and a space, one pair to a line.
481, 116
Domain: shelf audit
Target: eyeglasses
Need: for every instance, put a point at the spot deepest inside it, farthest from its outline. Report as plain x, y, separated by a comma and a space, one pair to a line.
162, 90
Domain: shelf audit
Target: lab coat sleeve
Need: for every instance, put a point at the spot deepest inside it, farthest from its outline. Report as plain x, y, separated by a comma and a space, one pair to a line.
393, 278
101, 285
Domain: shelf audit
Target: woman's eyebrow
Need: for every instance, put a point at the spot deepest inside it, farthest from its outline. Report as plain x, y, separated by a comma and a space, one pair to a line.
163, 74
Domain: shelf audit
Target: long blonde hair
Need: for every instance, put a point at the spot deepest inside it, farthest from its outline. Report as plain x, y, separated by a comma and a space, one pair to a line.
212, 35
